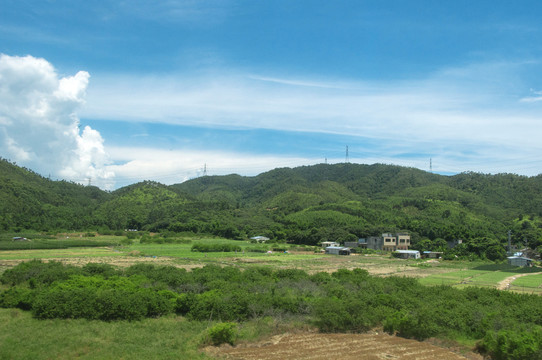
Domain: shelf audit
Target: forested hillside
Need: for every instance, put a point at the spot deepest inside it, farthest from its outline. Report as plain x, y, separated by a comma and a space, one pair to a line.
303, 205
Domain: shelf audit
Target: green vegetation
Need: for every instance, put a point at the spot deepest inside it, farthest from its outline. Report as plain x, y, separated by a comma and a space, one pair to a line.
336, 302
204, 220
214, 247
223, 333
305, 205
23, 337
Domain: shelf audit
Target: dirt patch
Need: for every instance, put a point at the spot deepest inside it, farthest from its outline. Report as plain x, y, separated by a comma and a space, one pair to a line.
316, 346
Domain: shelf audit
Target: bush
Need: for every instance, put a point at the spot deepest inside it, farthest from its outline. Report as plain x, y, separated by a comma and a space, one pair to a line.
17, 297
215, 247
93, 297
223, 333
512, 344
42, 273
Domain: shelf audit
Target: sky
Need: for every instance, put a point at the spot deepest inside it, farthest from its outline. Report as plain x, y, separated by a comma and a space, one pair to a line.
110, 93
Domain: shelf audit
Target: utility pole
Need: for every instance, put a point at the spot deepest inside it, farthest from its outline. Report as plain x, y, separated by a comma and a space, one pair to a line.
509, 242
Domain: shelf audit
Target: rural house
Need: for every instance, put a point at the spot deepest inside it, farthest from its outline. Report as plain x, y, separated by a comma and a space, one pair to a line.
407, 254
260, 239
387, 242
519, 261
337, 250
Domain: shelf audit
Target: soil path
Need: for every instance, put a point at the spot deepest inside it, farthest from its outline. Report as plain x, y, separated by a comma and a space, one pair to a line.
505, 284
316, 346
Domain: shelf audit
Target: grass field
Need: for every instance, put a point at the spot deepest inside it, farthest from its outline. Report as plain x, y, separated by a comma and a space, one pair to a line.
23, 337
527, 284
177, 252
489, 275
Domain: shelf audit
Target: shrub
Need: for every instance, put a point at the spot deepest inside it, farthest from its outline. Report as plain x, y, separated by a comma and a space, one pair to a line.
215, 247
17, 297
512, 344
41, 272
223, 333
126, 241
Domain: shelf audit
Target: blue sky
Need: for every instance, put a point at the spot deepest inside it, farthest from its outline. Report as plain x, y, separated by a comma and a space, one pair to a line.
115, 92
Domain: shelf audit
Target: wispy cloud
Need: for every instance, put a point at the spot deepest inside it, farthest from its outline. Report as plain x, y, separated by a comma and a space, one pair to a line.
464, 116
536, 96
455, 105
187, 11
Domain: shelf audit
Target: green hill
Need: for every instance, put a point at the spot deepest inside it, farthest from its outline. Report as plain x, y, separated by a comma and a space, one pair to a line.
304, 205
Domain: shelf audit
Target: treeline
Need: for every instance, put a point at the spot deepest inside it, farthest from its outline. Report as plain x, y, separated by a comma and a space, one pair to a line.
506, 325
305, 205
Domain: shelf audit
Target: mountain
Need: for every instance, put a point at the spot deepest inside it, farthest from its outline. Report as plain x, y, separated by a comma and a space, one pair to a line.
305, 204
30, 201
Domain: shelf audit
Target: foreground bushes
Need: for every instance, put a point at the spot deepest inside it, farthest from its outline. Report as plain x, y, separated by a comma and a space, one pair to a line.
93, 297
345, 301
513, 345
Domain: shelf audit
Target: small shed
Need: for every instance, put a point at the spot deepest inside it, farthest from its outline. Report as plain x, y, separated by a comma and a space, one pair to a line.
19, 238
326, 244
259, 239
432, 254
519, 261
337, 250
407, 254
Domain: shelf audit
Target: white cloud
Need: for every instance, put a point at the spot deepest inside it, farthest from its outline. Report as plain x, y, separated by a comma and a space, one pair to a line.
471, 118
39, 125
470, 104
175, 166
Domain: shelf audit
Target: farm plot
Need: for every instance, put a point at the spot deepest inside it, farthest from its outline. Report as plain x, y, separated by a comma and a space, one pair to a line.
315, 346
489, 275
527, 283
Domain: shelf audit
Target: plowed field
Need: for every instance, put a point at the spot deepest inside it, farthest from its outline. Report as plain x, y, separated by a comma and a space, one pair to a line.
315, 346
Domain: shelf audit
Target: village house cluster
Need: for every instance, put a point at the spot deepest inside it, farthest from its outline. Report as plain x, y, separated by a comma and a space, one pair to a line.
398, 242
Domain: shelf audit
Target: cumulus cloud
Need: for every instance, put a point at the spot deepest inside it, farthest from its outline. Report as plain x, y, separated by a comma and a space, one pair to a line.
39, 127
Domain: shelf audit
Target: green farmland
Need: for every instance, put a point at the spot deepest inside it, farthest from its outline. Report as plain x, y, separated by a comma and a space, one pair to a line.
258, 290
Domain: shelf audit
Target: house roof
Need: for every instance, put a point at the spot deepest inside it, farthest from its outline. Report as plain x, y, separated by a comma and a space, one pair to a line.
407, 251
519, 257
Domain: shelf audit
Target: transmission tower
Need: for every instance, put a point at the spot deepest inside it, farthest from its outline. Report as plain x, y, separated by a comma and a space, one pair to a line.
205, 169
431, 165
347, 160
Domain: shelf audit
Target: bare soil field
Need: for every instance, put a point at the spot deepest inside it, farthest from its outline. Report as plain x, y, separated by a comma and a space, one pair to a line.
316, 346
120, 261
375, 265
